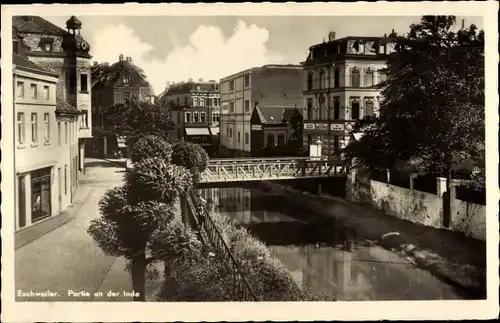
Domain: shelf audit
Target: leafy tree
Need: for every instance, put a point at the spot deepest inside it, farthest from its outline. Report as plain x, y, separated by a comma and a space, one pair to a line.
191, 156
151, 146
432, 114
135, 119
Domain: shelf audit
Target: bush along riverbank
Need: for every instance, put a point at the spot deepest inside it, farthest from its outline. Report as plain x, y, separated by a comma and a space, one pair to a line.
202, 276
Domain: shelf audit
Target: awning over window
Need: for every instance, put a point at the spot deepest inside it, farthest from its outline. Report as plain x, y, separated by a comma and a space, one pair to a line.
214, 131
197, 132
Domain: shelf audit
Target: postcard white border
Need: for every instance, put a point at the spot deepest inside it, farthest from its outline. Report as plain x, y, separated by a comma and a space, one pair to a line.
128, 312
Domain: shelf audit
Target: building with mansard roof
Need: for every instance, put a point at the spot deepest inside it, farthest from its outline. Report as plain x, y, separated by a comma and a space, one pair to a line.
111, 85
66, 53
342, 84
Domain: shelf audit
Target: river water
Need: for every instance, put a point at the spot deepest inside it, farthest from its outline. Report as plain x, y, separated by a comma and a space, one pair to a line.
326, 258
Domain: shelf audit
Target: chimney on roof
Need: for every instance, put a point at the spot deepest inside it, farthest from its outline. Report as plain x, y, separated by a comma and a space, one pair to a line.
120, 58
129, 59
331, 36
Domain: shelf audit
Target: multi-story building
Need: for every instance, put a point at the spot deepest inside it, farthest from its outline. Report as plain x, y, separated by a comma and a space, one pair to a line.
269, 86
194, 107
342, 78
46, 144
112, 85
65, 53
276, 132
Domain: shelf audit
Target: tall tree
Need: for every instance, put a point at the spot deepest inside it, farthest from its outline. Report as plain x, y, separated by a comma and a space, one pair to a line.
433, 107
134, 119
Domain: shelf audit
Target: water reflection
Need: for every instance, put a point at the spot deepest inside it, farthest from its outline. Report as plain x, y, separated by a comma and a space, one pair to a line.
324, 256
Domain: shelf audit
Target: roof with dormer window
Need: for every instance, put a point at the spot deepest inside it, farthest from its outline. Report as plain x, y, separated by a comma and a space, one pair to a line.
105, 75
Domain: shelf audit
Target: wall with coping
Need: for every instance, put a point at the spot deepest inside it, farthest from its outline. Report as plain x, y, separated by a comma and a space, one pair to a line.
418, 207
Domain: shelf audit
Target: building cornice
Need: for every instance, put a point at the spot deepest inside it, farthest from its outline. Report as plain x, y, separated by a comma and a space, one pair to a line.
35, 74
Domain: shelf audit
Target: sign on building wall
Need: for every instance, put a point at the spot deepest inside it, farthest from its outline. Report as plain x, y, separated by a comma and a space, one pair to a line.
309, 126
256, 127
322, 126
337, 127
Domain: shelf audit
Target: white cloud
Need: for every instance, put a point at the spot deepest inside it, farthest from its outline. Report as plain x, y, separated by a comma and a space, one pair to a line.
208, 55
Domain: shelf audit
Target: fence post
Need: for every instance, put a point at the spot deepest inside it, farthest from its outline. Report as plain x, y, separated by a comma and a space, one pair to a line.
412, 180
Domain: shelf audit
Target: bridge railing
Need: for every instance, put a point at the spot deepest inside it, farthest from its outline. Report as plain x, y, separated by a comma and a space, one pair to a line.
242, 290
272, 168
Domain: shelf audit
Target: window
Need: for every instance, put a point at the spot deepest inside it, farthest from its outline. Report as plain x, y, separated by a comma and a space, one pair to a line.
46, 92
187, 117
179, 117
34, 128
195, 102
20, 89
85, 119
355, 77
20, 128
46, 127
336, 108
15, 46
203, 117
196, 117
247, 80
202, 102
239, 137
281, 140
209, 102
381, 49
126, 96
177, 101
322, 111
336, 143
40, 194
185, 101
309, 81
361, 48
230, 132
322, 82
34, 92
47, 47
270, 140
247, 105
84, 83
215, 117
126, 80
354, 110
231, 85
231, 107
309, 109
65, 132
368, 78
22, 201
336, 75
59, 133
369, 108
247, 138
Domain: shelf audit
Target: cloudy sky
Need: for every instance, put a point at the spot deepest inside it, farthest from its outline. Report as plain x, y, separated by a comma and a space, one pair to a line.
175, 48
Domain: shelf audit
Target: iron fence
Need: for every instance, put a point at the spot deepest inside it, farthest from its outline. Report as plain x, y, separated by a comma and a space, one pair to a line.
242, 290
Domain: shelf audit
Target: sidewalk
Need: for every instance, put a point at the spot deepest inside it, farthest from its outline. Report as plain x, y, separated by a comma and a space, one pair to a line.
452, 257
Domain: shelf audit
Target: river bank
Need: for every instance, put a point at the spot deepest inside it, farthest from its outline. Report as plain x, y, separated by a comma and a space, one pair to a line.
453, 258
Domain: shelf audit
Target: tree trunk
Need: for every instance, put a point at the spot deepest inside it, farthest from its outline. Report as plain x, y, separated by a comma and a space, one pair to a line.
139, 277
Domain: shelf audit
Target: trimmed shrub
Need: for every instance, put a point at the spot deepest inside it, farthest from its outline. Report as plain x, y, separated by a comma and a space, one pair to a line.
155, 179
151, 147
191, 156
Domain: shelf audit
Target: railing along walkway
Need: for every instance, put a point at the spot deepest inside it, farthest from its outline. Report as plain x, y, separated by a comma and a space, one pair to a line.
242, 291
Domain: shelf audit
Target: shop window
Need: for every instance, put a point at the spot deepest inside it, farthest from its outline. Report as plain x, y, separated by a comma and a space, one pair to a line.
21, 221
40, 194
270, 140
281, 140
